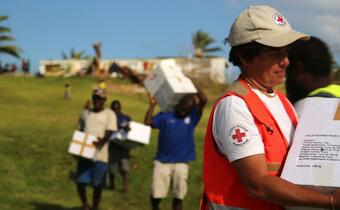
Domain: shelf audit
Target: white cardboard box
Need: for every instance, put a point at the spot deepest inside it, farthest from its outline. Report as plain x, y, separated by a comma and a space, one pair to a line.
82, 145
138, 135
314, 157
168, 84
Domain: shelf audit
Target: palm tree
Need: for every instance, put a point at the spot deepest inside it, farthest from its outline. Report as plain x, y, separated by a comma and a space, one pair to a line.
200, 41
75, 55
5, 37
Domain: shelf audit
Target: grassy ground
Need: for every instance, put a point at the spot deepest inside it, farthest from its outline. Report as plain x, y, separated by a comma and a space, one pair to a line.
35, 129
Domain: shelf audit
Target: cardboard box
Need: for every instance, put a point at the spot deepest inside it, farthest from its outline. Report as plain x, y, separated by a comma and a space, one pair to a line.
168, 84
82, 145
138, 135
314, 157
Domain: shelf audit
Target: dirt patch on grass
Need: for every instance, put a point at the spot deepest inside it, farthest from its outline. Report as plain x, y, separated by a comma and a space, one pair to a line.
125, 88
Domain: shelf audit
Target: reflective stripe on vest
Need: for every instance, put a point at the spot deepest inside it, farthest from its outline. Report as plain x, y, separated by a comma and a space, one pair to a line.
332, 89
273, 166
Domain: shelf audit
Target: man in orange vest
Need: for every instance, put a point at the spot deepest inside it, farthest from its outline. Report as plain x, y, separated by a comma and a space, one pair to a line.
251, 126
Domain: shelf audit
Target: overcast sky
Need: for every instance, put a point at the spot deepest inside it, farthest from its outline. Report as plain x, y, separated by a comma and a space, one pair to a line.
147, 28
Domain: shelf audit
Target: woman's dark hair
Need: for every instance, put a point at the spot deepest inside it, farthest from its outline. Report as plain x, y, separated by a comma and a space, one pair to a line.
247, 51
313, 55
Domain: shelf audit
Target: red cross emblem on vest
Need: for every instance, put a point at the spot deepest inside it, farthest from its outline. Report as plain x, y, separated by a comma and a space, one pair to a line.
238, 135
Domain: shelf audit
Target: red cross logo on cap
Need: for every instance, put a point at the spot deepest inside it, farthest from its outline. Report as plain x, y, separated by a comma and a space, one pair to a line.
238, 135
279, 20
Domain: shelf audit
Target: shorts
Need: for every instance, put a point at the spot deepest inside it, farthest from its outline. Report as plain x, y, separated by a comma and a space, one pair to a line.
91, 173
166, 173
122, 165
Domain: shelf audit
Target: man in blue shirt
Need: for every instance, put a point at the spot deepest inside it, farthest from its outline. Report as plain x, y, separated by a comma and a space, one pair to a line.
175, 147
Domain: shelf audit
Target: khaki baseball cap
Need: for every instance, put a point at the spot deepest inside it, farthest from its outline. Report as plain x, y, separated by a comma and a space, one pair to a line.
265, 25
99, 92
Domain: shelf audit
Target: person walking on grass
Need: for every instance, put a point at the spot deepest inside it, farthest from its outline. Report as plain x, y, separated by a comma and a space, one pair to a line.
175, 147
119, 155
99, 122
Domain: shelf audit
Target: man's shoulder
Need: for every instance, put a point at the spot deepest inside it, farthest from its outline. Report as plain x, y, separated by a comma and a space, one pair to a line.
165, 113
108, 111
103, 113
124, 116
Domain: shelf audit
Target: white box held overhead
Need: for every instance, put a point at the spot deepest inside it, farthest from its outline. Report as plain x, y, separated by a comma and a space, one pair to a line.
168, 84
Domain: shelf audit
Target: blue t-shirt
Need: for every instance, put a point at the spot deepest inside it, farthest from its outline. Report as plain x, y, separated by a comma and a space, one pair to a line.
123, 121
176, 136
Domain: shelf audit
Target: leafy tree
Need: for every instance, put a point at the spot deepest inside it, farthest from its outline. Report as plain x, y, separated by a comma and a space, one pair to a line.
201, 41
6, 37
75, 55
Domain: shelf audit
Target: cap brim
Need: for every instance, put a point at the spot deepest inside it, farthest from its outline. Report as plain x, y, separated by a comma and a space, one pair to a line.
283, 38
99, 96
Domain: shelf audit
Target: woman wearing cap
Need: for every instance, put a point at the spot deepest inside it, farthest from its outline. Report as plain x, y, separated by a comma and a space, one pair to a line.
251, 125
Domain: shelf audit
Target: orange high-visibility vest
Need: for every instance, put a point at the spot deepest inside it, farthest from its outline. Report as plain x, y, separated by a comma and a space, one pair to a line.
222, 186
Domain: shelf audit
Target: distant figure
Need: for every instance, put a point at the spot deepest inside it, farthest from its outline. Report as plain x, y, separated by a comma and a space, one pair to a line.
119, 155
309, 71
25, 66
67, 92
13, 68
125, 72
99, 122
176, 147
114, 70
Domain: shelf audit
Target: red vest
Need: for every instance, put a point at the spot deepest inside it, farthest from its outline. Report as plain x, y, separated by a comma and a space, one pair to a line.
221, 184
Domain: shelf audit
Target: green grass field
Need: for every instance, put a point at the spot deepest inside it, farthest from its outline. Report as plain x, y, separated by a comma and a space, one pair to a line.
35, 129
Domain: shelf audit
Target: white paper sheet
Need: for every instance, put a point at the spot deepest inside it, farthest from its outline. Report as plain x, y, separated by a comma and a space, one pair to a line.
314, 157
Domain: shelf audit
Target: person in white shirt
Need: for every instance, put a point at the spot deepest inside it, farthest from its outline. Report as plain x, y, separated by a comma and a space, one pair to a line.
99, 122
251, 126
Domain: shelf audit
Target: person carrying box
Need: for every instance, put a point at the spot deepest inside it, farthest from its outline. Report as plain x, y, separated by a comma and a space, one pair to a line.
175, 146
119, 155
101, 123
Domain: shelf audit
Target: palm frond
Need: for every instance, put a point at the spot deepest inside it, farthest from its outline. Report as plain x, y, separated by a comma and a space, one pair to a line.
4, 29
11, 50
3, 17
214, 49
201, 41
6, 38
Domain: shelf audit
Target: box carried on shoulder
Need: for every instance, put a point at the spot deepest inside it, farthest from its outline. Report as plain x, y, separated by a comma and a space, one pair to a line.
168, 84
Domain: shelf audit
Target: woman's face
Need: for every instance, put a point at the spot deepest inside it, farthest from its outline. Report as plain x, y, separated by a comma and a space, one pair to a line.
269, 68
